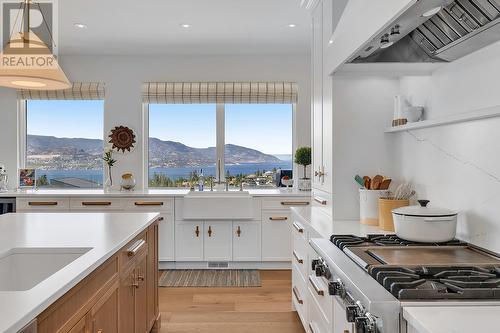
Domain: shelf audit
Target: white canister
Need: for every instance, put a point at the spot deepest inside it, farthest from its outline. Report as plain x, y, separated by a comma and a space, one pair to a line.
368, 205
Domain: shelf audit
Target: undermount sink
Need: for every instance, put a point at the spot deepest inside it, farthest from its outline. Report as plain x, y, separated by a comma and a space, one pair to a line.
212, 205
23, 268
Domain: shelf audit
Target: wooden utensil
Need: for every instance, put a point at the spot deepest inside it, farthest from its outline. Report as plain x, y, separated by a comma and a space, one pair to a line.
376, 182
385, 184
367, 181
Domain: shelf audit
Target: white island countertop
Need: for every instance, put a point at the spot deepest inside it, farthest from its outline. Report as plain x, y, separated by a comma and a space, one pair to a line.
181, 192
453, 319
104, 233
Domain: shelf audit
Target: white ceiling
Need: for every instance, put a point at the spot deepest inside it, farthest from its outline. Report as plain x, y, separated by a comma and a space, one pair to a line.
154, 27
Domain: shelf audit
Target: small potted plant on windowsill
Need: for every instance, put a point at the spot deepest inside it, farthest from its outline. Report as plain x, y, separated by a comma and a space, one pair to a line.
303, 157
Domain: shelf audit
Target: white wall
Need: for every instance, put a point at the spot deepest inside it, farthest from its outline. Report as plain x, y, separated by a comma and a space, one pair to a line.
458, 166
123, 77
362, 108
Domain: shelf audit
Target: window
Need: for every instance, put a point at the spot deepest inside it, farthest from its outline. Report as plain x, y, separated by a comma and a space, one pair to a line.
255, 140
258, 142
64, 142
182, 143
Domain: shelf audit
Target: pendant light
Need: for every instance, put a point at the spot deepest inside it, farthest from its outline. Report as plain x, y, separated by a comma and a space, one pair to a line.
27, 62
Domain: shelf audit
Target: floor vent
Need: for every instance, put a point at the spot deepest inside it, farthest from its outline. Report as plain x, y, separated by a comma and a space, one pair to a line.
218, 264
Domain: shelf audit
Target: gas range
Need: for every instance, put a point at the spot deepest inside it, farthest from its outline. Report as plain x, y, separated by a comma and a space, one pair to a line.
374, 277
422, 271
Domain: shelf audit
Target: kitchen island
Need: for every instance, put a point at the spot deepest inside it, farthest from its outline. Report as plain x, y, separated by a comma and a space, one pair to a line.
71, 272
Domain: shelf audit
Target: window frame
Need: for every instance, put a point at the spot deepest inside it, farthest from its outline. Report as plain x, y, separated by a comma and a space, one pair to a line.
22, 142
220, 121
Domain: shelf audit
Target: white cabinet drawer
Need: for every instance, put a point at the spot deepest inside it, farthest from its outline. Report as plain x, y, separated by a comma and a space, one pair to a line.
96, 204
42, 204
318, 288
322, 200
299, 295
317, 322
276, 236
149, 204
284, 202
299, 255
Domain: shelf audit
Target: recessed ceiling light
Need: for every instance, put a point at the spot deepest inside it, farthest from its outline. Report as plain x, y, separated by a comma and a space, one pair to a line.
186, 25
80, 25
292, 25
432, 11
330, 41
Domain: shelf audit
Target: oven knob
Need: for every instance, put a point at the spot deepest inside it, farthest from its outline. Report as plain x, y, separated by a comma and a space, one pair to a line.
364, 325
314, 263
336, 288
351, 312
320, 269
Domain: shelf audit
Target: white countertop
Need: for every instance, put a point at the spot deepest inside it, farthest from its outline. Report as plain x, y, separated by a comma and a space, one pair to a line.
141, 193
105, 233
453, 319
325, 226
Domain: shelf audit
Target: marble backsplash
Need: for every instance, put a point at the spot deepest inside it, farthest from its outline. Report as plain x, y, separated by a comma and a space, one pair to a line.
458, 167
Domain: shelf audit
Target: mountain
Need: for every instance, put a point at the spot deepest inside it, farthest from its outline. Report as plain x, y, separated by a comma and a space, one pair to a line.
161, 153
175, 154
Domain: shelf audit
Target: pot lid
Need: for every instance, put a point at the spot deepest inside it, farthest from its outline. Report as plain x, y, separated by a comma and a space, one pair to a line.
423, 210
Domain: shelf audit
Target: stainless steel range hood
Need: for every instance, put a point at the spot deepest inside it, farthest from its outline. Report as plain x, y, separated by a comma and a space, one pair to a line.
459, 27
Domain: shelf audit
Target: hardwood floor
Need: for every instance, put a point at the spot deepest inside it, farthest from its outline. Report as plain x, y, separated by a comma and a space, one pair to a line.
266, 309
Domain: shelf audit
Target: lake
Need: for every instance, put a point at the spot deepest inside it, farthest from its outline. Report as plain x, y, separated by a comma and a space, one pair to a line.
96, 176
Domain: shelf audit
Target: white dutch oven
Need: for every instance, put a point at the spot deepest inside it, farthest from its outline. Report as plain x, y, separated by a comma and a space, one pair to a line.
425, 224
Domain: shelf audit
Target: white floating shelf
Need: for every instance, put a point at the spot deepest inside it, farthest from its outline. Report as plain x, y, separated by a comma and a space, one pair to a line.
452, 119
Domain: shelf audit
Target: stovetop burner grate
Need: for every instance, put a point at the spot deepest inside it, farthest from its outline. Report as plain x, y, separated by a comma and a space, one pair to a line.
342, 241
439, 282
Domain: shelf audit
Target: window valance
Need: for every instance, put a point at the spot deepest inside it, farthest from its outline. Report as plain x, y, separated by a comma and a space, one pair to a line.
220, 92
78, 91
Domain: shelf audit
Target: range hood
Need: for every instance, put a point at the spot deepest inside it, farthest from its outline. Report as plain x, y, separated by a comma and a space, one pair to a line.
435, 31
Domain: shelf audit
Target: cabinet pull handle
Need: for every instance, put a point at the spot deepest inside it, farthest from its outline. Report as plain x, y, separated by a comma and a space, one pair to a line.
209, 231
134, 249
93, 328
295, 203
300, 261
311, 328
135, 281
298, 227
317, 289
148, 203
238, 231
140, 276
278, 218
96, 203
321, 201
197, 231
297, 296
42, 203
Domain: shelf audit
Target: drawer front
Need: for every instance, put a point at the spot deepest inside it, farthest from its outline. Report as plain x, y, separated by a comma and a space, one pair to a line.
96, 204
284, 202
42, 204
299, 294
134, 249
323, 200
299, 255
161, 205
317, 322
318, 288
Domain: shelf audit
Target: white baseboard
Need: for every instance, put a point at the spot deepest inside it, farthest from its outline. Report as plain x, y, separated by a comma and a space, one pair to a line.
278, 265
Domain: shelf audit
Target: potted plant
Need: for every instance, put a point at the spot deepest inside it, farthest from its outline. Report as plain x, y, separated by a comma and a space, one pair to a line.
303, 157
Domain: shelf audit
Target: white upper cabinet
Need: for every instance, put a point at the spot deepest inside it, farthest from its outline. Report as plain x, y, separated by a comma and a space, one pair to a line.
361, 20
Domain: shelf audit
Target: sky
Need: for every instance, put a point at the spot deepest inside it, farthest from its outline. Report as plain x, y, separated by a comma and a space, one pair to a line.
265, 127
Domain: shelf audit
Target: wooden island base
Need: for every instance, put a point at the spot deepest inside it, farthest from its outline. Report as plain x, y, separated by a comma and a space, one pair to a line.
121, 295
